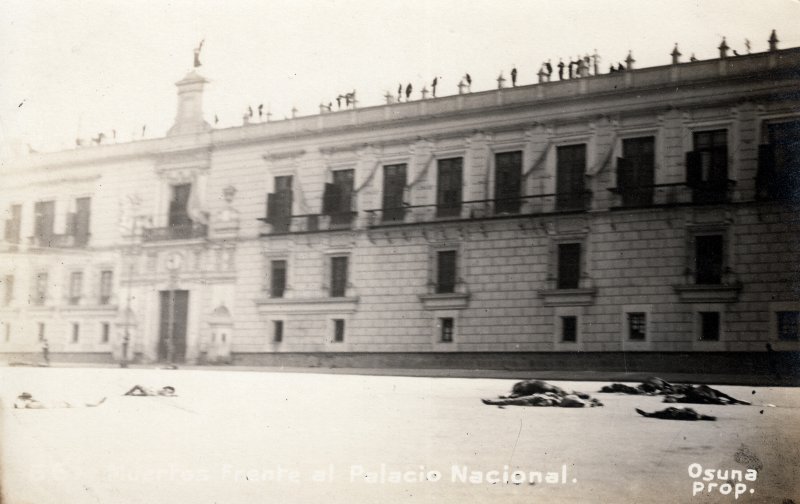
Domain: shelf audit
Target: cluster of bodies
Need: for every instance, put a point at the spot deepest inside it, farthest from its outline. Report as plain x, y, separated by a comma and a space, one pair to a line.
524, 393
26, 401
540, 393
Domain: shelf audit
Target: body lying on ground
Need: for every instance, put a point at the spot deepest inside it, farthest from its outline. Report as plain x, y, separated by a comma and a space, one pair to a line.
141, 391
26, 401
676, 414
675, 393
540, 393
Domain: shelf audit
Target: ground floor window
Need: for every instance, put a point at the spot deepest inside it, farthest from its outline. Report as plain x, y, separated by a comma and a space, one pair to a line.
637, 326
709, 326
447, 324
788, 324
338, 330
569, 328
277, 331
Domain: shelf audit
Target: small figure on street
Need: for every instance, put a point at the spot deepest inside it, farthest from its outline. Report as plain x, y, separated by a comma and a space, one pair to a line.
46, 351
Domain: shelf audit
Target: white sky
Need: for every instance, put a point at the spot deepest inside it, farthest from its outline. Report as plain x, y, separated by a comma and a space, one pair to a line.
79, 68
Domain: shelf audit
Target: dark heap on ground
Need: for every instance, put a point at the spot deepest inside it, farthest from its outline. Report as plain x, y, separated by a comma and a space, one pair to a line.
675, 393
676, 414
539, 393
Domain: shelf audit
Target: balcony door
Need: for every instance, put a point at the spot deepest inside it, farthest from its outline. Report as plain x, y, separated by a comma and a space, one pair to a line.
172, 327
178, 206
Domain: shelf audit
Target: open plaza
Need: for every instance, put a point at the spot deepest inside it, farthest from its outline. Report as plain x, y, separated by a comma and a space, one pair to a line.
254, 436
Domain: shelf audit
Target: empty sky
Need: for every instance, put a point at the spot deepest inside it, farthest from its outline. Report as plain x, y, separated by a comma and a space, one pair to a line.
72, 69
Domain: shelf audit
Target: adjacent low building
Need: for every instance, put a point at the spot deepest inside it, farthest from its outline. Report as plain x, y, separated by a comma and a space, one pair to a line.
643, 219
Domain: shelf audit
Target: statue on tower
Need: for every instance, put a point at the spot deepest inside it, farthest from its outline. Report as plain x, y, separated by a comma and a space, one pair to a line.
197, 54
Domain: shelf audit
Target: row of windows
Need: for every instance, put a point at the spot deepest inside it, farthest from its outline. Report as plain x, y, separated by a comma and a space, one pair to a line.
77, 224
709, 327
708, 255
75, 329
75, 292
706, 176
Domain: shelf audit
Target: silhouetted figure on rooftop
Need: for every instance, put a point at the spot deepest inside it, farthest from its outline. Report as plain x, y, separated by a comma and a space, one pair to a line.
339, 102
250, 111
469, 82
434, 84
621, 67
611, 69
408, 91
399, 92
514, 77
560, 69
549, 69
216, 119
260, 111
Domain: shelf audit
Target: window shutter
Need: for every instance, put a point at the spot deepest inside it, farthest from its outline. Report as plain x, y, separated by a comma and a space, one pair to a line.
330, 199
766, 170
694, 169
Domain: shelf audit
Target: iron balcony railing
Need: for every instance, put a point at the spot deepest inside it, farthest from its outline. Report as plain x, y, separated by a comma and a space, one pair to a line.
180, 232
309, 223
60, 241
481, 209
679, 193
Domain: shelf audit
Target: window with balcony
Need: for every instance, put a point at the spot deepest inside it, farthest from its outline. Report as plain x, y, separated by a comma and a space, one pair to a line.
75, 287
779, 162
277, 285
178, 206
80, 221
337, 200
13, 224
394, 184
709, 259
279, 204
8, 289
106, 286
448, 187
570, 170
707, 167
635, 171
338, 286
446, 271
44, 212
507, 182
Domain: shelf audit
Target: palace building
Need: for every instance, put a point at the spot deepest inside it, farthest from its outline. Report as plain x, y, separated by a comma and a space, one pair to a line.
645, 219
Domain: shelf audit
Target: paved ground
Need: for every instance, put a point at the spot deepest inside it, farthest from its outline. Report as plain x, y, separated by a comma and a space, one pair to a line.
240, 437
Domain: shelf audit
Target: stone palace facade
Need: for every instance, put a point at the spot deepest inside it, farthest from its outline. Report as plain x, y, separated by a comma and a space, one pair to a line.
642, 219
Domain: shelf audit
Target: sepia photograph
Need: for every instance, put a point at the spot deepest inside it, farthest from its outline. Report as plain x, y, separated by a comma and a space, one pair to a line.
434, 251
